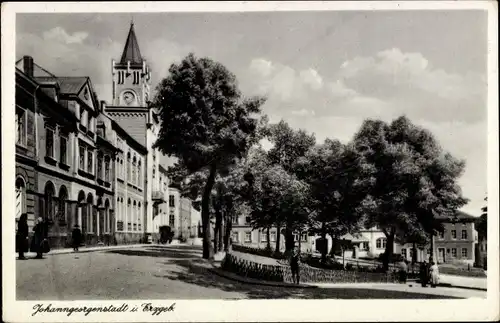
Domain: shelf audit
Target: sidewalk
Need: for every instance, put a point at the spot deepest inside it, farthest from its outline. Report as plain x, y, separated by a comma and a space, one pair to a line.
87, 249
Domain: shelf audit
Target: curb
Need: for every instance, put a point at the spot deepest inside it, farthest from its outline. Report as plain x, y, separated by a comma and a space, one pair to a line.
251, 281
65, 251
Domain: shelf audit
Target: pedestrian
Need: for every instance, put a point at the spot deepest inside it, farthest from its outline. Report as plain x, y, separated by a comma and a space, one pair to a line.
76, 237
294, 265
423, 273
403, 272
22, 236
40, 244
434, 274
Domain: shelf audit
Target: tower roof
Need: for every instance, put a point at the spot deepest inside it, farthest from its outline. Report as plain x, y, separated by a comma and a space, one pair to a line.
131, 50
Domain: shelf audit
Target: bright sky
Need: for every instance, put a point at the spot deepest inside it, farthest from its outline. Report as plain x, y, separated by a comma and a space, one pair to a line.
322, 71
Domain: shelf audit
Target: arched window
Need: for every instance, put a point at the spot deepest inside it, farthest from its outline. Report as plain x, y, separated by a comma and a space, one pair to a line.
381, 243
134, 170
139, 174
128, 166
129, 215
63, 197
107, 219
50, 205
107, 171
92, 214
20, 197
99, 165
135, 216
139, 216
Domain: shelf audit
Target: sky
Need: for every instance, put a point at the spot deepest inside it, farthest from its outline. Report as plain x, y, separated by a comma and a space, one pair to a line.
323, 71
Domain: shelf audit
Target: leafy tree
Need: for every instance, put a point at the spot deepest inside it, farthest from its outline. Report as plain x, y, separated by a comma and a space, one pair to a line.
333, 171
206, 123
412, 180
482, 223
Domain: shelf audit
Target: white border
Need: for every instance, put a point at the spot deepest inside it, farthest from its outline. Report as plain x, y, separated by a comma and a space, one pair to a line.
256, 310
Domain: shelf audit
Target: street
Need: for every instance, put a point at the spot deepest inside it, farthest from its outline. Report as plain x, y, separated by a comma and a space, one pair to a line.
157, 272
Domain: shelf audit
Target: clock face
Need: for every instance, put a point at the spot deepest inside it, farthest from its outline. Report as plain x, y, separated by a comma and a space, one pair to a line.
128, 97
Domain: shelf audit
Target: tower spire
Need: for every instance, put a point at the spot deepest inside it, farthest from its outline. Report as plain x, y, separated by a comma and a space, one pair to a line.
131, 50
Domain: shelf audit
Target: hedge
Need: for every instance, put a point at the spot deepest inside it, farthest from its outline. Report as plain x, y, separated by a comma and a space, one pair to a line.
282, 273
259, 251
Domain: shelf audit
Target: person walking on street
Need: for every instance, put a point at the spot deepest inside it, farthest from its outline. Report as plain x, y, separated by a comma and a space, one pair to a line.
403, 272
40, 244
22, 236
294, 265
76, 237
434, 274
423, 273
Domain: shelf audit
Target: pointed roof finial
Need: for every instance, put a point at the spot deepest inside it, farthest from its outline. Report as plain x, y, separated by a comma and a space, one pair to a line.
131, 50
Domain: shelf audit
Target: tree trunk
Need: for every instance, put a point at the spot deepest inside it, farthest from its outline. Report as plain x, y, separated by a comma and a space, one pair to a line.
268, 235
389, 250
205, 213
228, 228
217, 229
289, 242
278, 237
221, 234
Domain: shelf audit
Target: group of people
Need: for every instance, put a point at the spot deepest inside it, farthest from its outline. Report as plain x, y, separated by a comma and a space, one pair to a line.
39, 242
429, 273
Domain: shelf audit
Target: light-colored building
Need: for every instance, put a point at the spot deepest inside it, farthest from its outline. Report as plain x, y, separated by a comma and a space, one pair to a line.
174, 211
131, 82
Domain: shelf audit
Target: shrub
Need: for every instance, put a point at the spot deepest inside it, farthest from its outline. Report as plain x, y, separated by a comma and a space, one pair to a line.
259, 252
396, 257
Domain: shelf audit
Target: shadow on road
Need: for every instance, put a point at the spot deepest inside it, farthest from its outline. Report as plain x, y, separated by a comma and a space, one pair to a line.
160, 252
195, 270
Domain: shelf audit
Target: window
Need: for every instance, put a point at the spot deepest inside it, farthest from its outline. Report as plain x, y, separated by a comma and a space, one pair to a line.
440, 234
304, 237
453, 234
235, 237
247, 220
81, 162
235, 219
20, 197
454, 252
49, 142
364, 245
171, 220
128, 166
273, 236
263, 236
248, 236
107, 162
464, 252
171, 201
464, 235
99, 166
403, 253
63, 150
381, 243
90, 162
139, 174
20, 127
122, 170
134, 178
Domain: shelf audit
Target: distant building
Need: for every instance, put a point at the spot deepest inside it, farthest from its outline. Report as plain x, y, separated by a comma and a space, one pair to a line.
456, 244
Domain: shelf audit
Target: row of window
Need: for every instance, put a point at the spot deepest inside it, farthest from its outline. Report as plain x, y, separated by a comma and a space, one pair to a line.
130, 214
122, 76
21, 126
134, 169
454, 234
263, 236
51, 135
86, 119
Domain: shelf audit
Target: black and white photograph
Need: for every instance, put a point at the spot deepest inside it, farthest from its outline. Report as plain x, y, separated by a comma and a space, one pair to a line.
156, 157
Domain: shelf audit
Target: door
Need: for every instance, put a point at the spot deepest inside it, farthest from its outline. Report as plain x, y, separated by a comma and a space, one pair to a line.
441, 255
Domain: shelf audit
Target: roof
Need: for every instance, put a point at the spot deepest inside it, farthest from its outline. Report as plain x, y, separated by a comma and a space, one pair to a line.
459, 215
131, 50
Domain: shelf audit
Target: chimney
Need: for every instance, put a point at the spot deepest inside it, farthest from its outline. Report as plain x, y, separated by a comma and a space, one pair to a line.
28, 65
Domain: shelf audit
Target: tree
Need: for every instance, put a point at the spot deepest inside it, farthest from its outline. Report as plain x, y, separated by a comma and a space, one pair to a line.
332, 170
206, 123
412, 180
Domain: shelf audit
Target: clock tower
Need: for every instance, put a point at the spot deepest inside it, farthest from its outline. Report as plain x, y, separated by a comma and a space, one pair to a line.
131, 75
